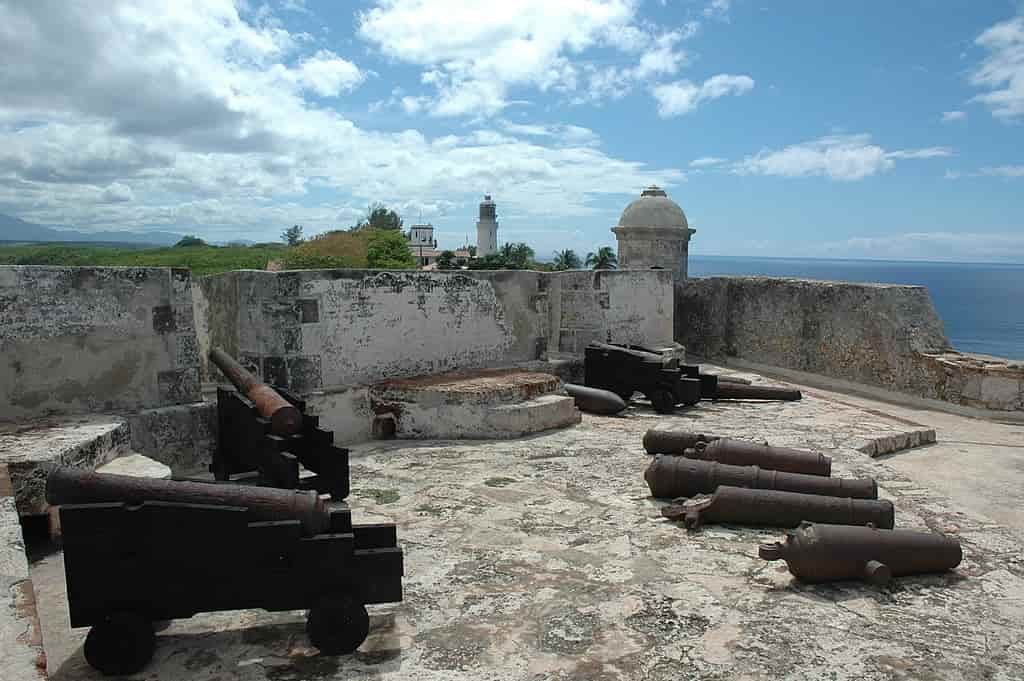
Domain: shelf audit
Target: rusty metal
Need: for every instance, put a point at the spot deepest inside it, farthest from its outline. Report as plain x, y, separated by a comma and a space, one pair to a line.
625, 370
657, 441
742, 506
829, 553
595, 400
675, 476
738, 391
743, 453
76, 486
285, 418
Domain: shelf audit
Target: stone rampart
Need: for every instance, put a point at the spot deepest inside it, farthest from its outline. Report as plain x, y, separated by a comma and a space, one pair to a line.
317, 330
95, 339
873, 334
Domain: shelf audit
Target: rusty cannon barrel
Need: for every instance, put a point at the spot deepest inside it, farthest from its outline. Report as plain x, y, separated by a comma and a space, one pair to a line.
828, 553
675, 476
743, 453
658, 441
285, 418
742, 506
595, 400
727, 390
76, 486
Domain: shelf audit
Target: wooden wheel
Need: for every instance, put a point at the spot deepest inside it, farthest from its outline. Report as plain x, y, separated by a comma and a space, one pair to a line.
338, 625
122, 644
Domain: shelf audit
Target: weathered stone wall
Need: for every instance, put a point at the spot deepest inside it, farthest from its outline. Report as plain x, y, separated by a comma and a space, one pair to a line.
92, 339
619, 306
874, 334
332, 329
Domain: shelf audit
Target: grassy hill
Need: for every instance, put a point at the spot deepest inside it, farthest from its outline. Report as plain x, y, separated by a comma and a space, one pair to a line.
336, 249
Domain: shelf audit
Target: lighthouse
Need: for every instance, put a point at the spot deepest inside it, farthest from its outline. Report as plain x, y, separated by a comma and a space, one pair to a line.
487, 228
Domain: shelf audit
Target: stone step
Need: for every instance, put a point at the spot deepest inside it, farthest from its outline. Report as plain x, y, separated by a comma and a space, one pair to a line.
31, 450
532, 416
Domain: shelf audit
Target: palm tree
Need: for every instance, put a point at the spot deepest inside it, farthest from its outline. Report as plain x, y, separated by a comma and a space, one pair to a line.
566, 260
604, 259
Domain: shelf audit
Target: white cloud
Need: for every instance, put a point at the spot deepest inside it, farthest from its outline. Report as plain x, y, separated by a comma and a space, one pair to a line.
954, 246
327, 74
706, 161
950, 116
717, 9
1004, 171
1002, 70
838, 157
474, 54
683, 96
143, 113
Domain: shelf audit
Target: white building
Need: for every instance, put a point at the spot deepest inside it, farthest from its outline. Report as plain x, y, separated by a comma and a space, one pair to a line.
422, 244
487, 228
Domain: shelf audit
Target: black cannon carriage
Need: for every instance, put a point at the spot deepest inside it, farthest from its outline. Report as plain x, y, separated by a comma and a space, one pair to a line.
131, 563
625, 369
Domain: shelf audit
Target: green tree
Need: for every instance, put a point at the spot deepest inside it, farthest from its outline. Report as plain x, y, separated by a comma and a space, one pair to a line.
566, 260
446, 260
471, 250
604, 259
388, 249
379, 216
494, 261
517, 256
190, 240
293, 235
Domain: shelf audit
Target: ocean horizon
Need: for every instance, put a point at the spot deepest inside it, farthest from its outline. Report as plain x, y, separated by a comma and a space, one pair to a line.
981, 304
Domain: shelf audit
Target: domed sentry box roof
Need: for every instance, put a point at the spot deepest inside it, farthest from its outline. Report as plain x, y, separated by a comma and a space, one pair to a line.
653, 209
653, 233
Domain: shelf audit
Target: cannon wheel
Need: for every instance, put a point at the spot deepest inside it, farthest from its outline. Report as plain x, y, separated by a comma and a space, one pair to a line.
663, 401
121, 644
338, 624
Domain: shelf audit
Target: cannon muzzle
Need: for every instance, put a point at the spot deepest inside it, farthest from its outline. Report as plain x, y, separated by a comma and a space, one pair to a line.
76, 486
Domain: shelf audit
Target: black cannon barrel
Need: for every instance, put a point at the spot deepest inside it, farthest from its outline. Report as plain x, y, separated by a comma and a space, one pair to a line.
595, 400
658, 441
727, 390
744, 506
675, 476
76, 486
827, 553
743, 453
285, 418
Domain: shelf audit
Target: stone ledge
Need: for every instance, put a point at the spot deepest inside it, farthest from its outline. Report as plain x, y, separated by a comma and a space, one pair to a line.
30, 450
23, 658
890, 443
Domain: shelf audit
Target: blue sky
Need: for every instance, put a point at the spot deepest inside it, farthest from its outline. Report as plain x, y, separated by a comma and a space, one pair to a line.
884, 130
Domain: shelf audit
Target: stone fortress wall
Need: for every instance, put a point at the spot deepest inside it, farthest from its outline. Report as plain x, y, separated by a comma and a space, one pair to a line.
877, 335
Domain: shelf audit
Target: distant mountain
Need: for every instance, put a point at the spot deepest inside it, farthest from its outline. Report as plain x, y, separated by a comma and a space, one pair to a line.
14, 229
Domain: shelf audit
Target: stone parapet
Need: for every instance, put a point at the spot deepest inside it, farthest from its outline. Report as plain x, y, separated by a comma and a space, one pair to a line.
872, 334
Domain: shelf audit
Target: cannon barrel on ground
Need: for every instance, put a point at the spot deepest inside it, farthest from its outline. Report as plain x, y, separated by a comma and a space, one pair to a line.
675, 476
285, 418
743, 453
658, 441
595, 400
829, 553
76, 486
742, 506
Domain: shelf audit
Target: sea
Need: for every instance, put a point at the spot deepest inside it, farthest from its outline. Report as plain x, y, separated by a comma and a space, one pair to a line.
981, 304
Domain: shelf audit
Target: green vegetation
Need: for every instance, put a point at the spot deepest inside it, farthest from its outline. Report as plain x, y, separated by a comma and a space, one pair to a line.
388, 249
566, 260
379, 216
190, 240
292, 236
201, 260
446, 260
604, 259
509, 257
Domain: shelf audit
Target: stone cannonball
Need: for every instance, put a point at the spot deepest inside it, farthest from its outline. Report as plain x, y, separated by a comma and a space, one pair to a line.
653, 209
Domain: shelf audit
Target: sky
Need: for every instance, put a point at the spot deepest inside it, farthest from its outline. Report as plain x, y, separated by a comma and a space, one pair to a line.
869, 129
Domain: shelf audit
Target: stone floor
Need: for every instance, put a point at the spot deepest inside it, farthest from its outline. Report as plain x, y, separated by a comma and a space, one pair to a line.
543, 558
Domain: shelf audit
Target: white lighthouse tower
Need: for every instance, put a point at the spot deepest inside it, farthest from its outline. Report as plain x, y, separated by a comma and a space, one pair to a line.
487, 228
